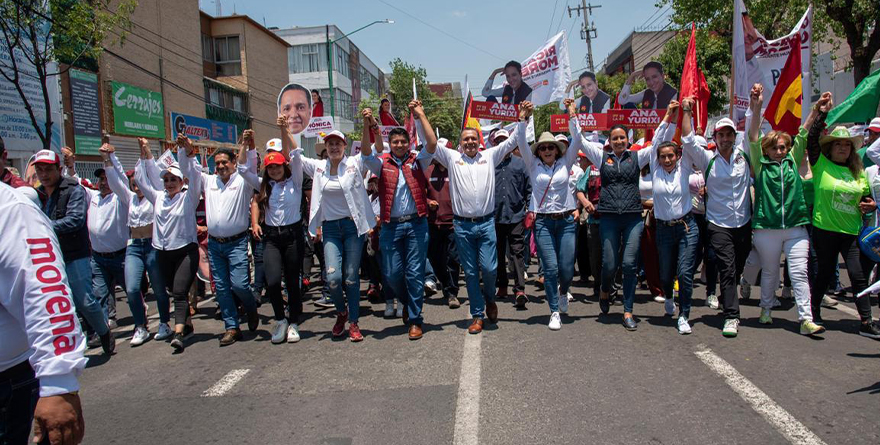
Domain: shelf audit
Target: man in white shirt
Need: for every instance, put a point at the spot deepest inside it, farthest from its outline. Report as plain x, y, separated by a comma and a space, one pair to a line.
472, 188
42, 347
728, 176
227, 209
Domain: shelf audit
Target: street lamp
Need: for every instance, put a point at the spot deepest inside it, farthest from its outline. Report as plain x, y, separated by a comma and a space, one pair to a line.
330, 60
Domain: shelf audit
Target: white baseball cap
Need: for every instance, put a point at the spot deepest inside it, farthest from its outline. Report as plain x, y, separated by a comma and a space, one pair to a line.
47, 157
336, 134
273, 145
725, 122
875, 124
562, 138
174, 170
499, 133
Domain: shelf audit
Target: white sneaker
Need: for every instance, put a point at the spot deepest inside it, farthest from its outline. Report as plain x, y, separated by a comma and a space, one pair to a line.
555, 322
569, 296
293, 333
731, 327
660, 299
111, 323
389, 309
745, 289
279, 331
525, 276
786, 293
140, 336
669, 305
163, 332
563, 304
712, 301
683, 327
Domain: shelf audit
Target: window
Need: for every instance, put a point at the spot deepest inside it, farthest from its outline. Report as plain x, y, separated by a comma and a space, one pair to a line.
343, 105
369, 82
340, 65
237, 103
225, 97
207, 48
307, 58
227, 56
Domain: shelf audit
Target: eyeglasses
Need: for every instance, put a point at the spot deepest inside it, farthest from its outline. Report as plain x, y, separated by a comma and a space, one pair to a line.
546, 148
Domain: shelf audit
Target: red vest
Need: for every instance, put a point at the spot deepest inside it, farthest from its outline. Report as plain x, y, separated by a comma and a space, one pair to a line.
415, 180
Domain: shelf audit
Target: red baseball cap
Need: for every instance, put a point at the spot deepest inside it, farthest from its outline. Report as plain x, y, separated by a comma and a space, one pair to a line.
274, 158
47, 157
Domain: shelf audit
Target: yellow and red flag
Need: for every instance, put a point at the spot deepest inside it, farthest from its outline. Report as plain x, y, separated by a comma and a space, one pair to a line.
468, 121
784, 109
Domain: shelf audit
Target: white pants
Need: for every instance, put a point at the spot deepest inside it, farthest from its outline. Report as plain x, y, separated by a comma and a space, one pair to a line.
752, 267
795, 243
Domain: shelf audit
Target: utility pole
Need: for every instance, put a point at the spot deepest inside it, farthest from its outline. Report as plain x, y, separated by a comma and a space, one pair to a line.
588, 32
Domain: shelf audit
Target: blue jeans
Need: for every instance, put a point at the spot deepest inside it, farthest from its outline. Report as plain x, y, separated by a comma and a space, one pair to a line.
231, 272
476, 244
19, 393
677, 246
342, 260
79, 277
404, 248
429, 269
140, 256
621, 230
556, 240
107, 272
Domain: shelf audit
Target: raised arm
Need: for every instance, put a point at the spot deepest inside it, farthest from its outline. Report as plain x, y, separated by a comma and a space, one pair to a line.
518, 139
418, 111
593, 150
664, 133
368, 155
822, 107
697, 154
118, 185
756, 100
487, 89
626, 97
190, 171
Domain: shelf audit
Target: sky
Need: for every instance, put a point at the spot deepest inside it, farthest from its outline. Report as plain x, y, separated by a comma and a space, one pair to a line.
465, 37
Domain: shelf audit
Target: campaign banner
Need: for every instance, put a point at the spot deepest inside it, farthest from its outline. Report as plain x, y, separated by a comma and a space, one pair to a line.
86, 109
758, 60
547, 71
199, 128
318, 125
385, 129
588, 121
495, 111
137, 112
632, 118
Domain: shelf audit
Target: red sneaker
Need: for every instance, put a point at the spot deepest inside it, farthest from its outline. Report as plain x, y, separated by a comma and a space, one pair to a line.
354, 333
339, 326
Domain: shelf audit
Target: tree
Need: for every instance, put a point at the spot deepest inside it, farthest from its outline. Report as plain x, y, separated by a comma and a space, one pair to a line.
858, 21
444, 113
713, 57
43, 31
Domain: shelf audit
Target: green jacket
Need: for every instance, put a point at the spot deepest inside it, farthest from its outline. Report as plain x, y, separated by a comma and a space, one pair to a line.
779, 189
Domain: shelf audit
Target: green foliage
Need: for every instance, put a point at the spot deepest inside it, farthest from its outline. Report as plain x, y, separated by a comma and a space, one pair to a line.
713, 57
542, 117
444, 113
81, 28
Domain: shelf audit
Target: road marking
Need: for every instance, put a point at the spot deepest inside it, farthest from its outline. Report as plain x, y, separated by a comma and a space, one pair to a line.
777, 416
226, 383
467, 410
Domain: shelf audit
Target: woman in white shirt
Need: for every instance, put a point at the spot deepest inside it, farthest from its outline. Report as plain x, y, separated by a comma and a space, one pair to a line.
548, 164
341, 209
174, 229
139, 254
279, 198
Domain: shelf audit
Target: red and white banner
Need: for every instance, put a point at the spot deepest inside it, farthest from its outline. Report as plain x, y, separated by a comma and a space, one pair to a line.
495, 111
385, 129
758, 60
318, 125
645, 118
547, 71
588, 121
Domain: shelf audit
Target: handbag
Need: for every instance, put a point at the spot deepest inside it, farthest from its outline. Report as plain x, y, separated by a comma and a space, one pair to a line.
529, 222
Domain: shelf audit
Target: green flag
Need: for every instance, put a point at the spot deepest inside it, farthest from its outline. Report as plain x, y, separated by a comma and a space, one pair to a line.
860, 105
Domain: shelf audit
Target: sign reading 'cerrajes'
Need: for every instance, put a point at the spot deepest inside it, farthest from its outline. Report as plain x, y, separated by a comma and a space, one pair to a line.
495, 111
137, 112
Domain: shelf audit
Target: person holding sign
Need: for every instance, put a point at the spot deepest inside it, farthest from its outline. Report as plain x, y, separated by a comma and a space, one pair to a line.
658, 94
385, 117
620, 205
472, 187
279, 197
780, 211
403, 240
295, 102
593, 99
340, 208
174, 227
515, 92
317, 104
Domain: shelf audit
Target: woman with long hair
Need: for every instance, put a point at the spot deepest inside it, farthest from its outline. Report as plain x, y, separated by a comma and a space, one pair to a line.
385, 116
317, 104
174, 228
841, 197
279, 199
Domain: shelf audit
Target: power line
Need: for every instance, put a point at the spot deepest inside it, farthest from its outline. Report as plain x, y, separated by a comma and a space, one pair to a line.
552, 17
439, 30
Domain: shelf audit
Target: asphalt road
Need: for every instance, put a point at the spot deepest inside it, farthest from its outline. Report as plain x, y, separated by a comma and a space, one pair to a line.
517, 383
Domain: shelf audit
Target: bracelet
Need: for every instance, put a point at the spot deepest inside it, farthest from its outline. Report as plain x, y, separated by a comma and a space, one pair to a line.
686, 110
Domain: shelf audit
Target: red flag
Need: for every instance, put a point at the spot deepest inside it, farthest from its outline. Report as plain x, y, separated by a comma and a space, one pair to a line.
468, 121
693, 84
784, 109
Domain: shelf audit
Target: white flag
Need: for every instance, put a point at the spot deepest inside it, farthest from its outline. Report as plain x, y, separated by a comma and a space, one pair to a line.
547, 71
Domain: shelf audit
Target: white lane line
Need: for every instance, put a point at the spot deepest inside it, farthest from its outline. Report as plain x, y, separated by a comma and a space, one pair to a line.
467, 410
777, 416
226, 383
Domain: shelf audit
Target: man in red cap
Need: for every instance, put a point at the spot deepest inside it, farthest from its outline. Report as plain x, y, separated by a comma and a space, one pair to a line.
64, 201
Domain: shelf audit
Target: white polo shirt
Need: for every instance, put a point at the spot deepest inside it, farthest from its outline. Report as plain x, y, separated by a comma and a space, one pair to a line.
227, 205
728, 199
174, 222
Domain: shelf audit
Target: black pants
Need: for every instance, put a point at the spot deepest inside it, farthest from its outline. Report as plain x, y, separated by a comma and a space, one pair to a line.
444, 258
706, 254
19, 393
178, 268
594, 246
510, 236
283, 256
583, 252
308, 254
828, 246
732, 247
